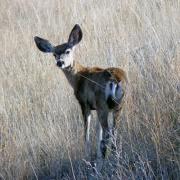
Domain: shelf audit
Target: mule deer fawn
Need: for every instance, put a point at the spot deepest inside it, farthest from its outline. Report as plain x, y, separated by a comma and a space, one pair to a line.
95, 88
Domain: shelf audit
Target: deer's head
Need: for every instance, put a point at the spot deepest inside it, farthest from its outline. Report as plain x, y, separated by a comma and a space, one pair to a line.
63, 53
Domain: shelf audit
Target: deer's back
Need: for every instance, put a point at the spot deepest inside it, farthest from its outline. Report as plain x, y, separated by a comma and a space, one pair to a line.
91, 84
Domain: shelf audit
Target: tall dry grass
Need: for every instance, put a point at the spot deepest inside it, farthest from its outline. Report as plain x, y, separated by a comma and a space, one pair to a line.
41, 130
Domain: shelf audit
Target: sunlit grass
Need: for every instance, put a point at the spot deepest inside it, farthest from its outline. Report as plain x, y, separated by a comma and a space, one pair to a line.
41, 129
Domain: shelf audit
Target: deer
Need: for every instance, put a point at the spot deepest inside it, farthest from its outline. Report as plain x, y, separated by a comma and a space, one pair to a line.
95, 88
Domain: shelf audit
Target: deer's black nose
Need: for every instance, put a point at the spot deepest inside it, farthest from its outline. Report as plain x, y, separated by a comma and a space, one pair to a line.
60, 63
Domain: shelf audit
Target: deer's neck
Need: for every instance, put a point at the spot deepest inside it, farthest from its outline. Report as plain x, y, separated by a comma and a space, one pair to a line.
72, 73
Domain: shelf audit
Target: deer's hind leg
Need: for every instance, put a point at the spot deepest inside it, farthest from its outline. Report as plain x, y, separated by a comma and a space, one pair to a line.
99, 138
104, 141
116, 122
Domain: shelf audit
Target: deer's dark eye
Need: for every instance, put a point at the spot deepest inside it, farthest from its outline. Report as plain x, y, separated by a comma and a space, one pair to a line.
67, 52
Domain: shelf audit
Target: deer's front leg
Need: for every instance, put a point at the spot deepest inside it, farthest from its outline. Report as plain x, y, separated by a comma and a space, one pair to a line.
87, 119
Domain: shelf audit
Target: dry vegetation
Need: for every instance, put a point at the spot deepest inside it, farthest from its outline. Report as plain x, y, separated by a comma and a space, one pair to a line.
41, 131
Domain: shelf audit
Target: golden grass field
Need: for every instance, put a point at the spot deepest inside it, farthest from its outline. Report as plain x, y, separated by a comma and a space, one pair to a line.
41, 127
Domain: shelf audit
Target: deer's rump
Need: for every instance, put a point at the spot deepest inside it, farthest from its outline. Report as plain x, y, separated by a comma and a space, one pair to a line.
101, 86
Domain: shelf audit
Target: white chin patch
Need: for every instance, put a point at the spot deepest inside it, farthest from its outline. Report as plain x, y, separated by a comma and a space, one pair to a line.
63, 66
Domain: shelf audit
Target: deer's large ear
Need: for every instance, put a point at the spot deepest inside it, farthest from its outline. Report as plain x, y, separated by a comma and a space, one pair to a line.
75, 35
43, 44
